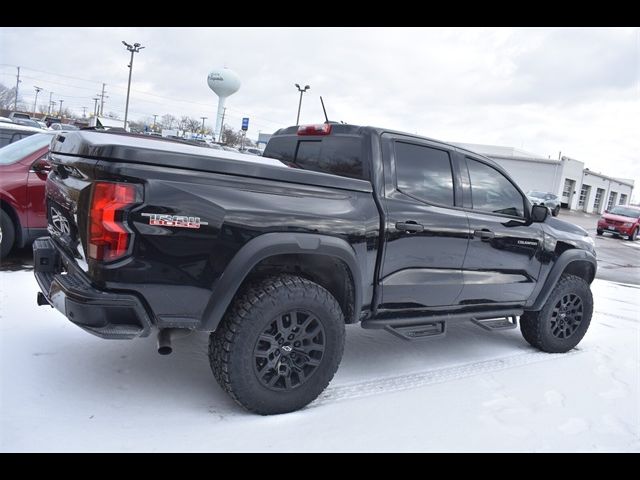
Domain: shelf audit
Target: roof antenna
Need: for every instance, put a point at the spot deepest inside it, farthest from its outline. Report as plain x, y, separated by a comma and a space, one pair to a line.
324, 110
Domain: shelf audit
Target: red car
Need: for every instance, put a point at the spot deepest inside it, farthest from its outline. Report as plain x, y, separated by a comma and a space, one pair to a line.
620, 220
23, 172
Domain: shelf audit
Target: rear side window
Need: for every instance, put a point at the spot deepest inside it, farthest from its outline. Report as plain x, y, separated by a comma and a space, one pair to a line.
424, 173
338, 155
492, 192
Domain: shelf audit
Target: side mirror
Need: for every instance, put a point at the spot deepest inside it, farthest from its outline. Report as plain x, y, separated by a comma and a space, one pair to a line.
41, 165
539, 213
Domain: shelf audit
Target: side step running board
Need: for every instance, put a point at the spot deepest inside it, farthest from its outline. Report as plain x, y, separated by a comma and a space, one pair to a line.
492, 324
417, 332
417, 328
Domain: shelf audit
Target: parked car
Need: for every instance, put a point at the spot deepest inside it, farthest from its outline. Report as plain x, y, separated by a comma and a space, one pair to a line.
23, 172
16, 115
63, 126
28, 122
251, 150
230, 149
49, 120
42, 124
551, 201
620, 220
334, 224
6, 120
12, 132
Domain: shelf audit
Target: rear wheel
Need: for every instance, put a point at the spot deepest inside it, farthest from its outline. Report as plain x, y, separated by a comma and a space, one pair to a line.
564, 319
279, 345
556, 211
634, 235
7, 234
599, 232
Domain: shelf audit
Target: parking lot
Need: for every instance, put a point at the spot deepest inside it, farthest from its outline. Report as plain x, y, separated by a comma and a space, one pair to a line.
618, 258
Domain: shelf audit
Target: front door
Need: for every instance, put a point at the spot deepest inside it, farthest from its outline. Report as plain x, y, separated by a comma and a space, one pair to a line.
502, 263
426, 236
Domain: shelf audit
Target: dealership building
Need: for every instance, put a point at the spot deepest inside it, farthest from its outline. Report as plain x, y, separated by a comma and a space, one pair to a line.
578, 187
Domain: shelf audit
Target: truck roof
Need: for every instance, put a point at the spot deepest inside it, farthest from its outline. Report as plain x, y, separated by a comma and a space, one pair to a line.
351, 129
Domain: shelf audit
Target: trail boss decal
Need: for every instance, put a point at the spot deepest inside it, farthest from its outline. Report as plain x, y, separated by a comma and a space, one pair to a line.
174, 220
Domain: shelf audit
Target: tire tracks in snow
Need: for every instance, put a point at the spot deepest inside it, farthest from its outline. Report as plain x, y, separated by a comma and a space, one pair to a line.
430, 377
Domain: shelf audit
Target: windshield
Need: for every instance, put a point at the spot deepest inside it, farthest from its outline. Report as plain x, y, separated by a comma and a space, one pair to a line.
16, 151
624, 211
534, 193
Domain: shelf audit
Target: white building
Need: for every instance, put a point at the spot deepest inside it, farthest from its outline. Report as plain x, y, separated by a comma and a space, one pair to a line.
578, 187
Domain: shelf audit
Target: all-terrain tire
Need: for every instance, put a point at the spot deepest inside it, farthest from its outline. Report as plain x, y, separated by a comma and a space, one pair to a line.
283, 303
7, 234
544, 330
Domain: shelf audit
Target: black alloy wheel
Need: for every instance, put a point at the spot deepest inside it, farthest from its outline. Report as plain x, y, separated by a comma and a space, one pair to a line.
566, 316
289, 351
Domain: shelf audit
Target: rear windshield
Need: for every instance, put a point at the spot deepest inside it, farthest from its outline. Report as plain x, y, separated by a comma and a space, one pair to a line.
335, 154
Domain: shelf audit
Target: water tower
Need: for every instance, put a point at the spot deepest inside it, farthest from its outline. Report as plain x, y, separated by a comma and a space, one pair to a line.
223, 82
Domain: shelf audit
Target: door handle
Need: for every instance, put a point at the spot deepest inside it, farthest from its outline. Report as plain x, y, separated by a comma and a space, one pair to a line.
484, 234
409, 226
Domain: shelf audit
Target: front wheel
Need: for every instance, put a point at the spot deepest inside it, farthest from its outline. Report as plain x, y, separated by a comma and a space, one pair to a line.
634, 235
279, 345
7, 234
564, 319
599, 232
556, 211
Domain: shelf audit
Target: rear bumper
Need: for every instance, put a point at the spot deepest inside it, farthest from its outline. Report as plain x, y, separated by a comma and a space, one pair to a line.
66, 287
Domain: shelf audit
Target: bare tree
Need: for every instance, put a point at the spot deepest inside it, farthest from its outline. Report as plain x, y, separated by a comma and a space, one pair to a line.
168, 120
231, 137
8, 98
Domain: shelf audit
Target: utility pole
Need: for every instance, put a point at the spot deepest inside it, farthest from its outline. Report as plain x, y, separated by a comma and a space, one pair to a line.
84, 112
154, 122
307, 87
135, 48
60, 112
35, 102
102, 97
95, 106
222, 123
203, 119
15, 102
50, 103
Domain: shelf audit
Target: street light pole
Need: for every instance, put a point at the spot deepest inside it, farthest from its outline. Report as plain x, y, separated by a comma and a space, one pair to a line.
307, 87
50, 103
35, 102
60, 111
135, 48
154, 122
203, 119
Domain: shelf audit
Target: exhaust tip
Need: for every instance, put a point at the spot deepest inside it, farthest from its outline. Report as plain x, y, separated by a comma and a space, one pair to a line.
165, 350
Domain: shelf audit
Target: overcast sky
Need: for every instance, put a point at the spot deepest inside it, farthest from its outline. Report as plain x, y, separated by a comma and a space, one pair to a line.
543, 90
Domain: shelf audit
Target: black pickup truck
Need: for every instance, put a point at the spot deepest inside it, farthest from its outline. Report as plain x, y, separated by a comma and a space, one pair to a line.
273, 255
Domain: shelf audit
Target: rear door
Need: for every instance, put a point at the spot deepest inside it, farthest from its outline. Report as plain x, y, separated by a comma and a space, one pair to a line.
426, 235
502, 262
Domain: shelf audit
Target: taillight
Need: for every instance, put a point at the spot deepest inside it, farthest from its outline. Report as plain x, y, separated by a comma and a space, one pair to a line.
108, 235
322, 129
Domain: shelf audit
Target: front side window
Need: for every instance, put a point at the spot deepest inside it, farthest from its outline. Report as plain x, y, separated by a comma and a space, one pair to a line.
424, 173
492, 192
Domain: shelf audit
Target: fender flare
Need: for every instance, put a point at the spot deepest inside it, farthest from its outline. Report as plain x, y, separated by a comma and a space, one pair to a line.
268, 245
543, 291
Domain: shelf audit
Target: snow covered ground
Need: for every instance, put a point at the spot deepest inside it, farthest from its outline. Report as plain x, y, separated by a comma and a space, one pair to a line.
62, 389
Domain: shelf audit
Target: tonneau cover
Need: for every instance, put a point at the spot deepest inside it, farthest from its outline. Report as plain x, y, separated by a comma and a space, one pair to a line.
159, 151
